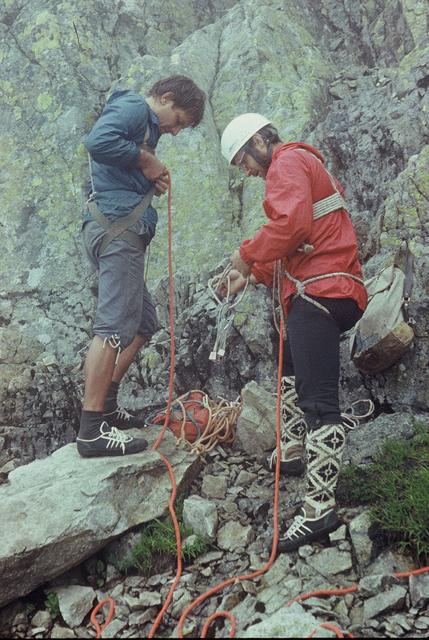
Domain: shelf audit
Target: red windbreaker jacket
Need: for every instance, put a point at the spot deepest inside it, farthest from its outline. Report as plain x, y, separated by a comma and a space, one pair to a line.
296, 180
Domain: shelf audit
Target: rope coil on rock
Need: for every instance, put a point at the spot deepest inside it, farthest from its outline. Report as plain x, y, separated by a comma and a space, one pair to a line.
199, 422
221, 421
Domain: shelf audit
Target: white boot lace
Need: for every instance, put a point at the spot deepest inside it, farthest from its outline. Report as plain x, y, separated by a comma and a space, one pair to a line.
123, 414
114, 437
295, 527
272, 459
285, 444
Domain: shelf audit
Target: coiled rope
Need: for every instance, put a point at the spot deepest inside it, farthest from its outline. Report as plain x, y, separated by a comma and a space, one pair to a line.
225, 311
221, 420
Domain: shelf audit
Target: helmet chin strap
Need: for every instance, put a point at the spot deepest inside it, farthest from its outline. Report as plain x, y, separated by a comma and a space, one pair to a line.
263, 161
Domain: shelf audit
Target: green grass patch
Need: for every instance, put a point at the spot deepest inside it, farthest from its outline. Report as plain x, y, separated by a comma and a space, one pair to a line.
52, 604
157, 545
396, 486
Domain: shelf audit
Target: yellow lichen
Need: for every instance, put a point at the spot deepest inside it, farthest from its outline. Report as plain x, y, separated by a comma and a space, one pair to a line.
44, 101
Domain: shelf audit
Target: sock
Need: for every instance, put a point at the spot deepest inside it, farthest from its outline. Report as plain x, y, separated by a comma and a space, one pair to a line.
111, 402
90, 422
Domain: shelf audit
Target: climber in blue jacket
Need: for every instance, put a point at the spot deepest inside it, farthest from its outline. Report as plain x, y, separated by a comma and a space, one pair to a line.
125, 172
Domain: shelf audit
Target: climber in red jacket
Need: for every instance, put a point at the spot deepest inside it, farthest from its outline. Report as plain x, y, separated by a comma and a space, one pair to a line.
309, 247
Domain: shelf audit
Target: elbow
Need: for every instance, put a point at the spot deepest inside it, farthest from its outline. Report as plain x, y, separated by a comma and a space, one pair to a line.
98, 150
303, 232
90, 145
98, 146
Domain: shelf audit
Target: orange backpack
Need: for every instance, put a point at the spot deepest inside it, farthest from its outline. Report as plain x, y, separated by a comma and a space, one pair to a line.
189, 416
201, 422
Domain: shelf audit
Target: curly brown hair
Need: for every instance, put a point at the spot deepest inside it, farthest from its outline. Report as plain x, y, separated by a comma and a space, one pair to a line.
187, 95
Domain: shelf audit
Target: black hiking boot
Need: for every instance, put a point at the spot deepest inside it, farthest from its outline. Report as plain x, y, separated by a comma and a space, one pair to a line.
97, 439
123, 419
293, 467
304, 530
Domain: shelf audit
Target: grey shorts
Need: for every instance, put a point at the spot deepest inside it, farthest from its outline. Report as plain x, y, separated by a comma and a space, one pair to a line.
125, 307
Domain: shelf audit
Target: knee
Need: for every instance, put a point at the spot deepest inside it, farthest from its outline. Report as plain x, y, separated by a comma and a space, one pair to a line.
140, 340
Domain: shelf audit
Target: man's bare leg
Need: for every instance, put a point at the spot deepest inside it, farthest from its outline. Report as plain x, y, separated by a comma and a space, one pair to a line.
99, 367
96, 436
115, 415
127, 357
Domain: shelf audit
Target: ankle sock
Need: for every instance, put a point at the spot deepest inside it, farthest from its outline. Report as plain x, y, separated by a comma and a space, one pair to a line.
111, 402
90, 422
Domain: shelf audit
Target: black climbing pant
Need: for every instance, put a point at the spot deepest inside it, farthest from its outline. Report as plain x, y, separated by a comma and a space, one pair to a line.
312, 354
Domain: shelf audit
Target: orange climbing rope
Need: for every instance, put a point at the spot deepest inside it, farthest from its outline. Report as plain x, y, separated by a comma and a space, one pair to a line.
100, 629
110, 601
330, 627
167, 418
264, 569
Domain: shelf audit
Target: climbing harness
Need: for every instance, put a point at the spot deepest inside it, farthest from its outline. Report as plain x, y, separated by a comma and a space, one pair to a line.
119, 228
225, 314
321, 208
301, 284
225, 311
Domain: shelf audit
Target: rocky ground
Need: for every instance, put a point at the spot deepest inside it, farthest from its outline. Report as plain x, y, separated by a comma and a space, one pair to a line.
230, 505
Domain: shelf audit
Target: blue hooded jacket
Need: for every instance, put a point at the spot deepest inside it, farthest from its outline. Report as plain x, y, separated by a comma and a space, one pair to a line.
114, 146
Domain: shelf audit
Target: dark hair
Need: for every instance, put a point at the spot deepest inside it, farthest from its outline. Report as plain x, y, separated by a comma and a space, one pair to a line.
187, 95
270, 134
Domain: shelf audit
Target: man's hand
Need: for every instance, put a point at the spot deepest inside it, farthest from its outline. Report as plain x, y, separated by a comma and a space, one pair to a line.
239, 264
152, 168
161, 184
236, 283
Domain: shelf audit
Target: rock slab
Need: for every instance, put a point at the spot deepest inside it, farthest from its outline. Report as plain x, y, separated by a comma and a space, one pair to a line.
58, 511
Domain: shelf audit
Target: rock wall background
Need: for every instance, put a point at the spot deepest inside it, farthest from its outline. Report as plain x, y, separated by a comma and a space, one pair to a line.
350, 78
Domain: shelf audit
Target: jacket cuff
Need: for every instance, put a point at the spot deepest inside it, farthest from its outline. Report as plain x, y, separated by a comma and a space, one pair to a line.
257, 274
244, 254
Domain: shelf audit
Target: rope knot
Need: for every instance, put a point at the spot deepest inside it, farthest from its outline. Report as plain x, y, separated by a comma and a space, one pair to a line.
300, 288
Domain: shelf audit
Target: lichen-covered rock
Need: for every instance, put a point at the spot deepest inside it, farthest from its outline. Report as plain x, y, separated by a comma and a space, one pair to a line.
291, 622
352, 79
58, 511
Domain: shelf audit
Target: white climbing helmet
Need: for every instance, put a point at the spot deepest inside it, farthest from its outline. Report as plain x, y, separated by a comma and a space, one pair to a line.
239, 131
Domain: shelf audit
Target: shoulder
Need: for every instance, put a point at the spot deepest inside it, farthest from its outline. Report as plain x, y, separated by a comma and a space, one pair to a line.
127, 99
300, 153
289, 160
127, 104
126, 95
